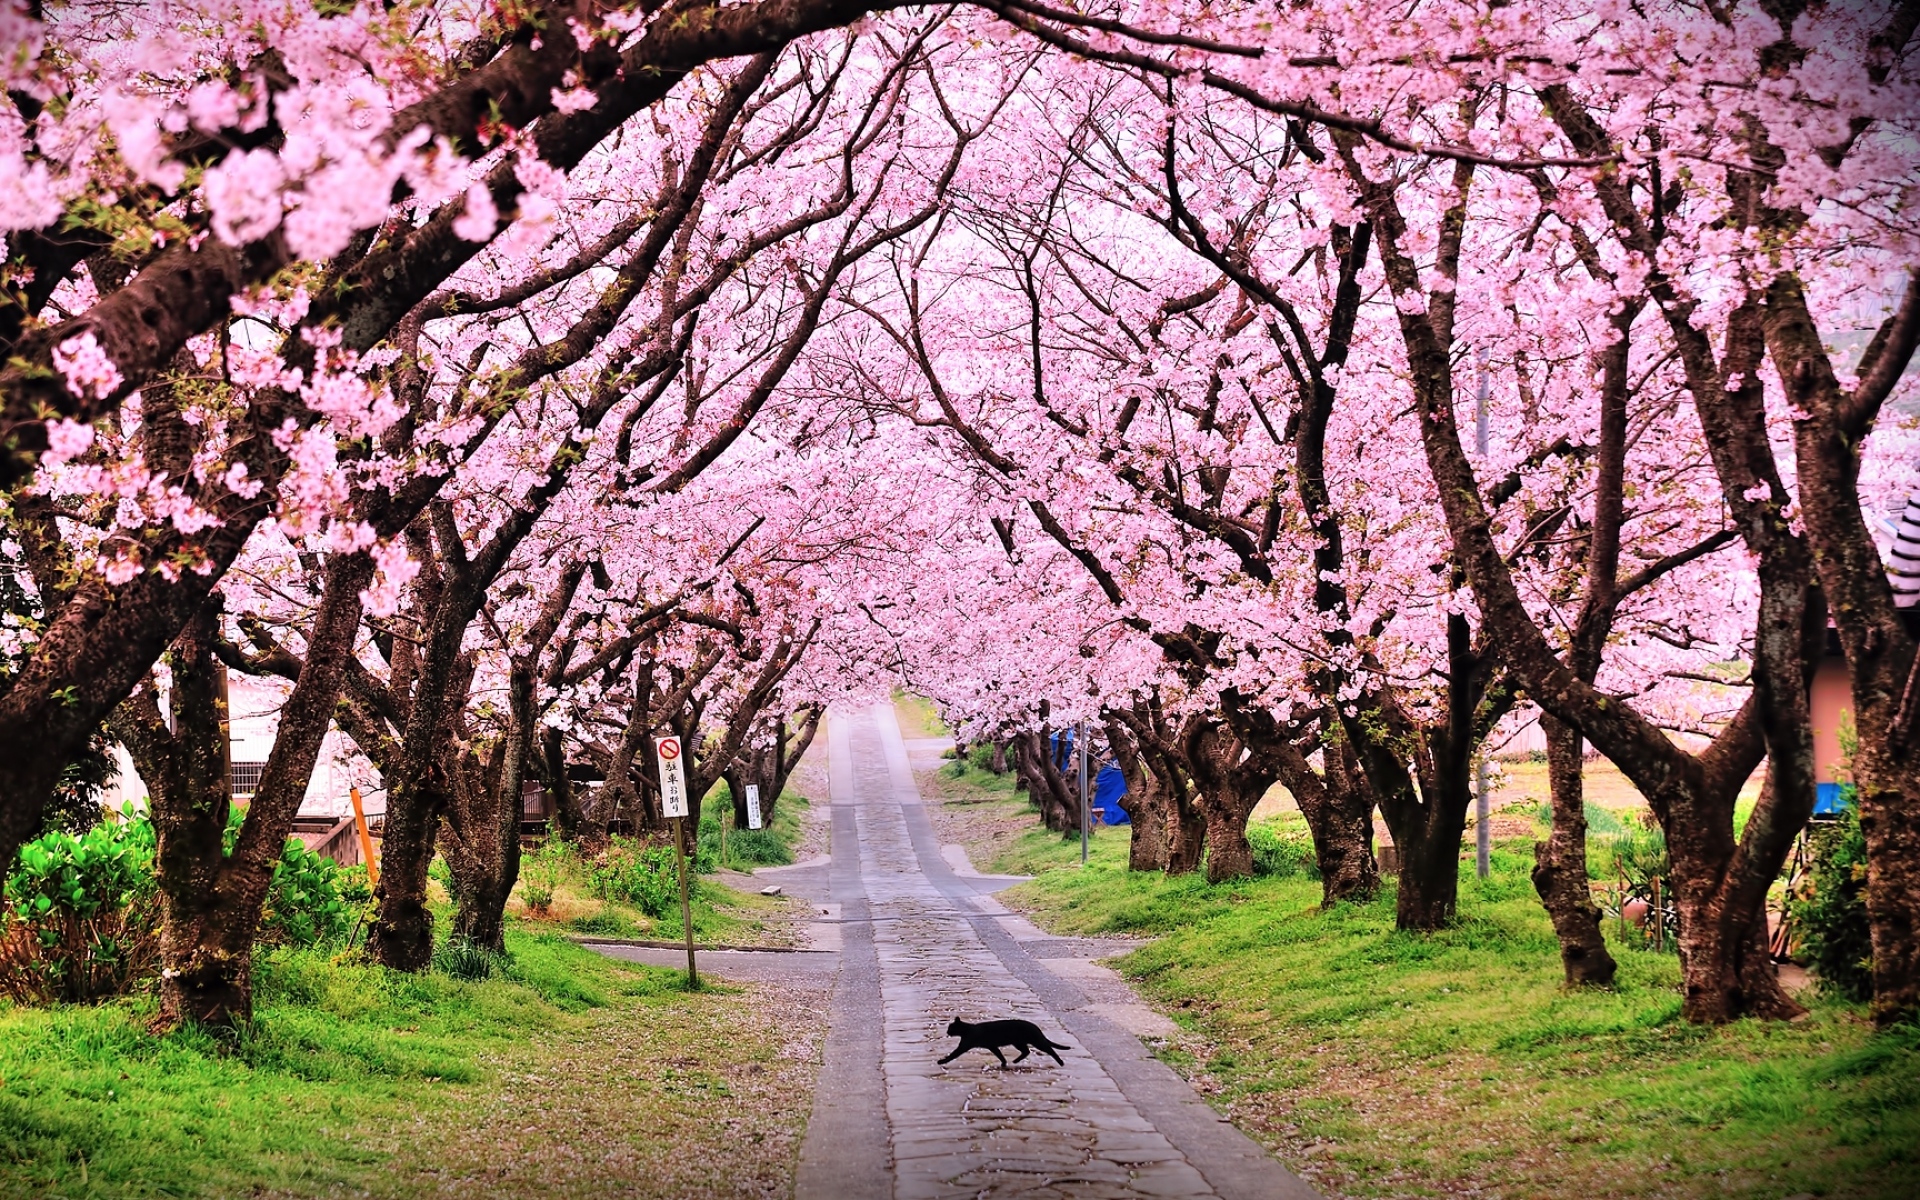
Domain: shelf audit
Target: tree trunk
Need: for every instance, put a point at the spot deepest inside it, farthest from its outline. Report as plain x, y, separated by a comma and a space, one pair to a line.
1045, 785
1877, 634
1560, 864
998, 762
559, 785
1146, 811
488, 864
1229, 855
1229, 782
1889, 797
1145, 803
402, 934
1338, 807
206, 962
1429, 868
481, 915
1427, 831
1186, 833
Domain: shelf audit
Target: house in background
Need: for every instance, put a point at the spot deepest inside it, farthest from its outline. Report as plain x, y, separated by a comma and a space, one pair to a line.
326, 822
1832, 690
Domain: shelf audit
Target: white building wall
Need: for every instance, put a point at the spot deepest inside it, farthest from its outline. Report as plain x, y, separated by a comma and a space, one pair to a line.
253, 718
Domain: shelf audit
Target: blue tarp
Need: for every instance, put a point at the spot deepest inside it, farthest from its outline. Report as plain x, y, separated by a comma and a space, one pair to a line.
1826, 800
1107, 790
1108, 786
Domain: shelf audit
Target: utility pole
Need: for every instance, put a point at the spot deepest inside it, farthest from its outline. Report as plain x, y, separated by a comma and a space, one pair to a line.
1482, 809
1086, 801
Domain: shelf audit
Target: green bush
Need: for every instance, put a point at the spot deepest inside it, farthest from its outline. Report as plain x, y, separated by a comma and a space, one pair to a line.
310, 900
466, 959
605, 924
80, 917
540, 874
745, 847
1831, 910
980, 756
631, 872
1283, 849
356, 886
306, 905
1638, 854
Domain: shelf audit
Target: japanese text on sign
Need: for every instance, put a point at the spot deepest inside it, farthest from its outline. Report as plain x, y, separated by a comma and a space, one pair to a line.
673, 777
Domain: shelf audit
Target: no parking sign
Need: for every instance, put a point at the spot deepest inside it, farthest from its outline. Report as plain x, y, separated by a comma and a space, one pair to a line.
673, 776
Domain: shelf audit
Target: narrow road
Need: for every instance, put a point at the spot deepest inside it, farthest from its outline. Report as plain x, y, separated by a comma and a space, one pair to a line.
921, 945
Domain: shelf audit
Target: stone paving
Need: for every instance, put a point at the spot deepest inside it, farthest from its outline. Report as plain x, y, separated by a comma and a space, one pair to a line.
971, 1129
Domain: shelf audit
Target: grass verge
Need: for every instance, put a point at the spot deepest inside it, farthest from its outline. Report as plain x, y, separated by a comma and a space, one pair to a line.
722, 914
918, 717
569, 1075
1385, 1064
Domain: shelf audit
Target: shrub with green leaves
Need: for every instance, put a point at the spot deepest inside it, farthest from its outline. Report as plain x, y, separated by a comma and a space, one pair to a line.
1831, 910
1283, 849
305, 903
310, 901
1638, 855
540, 874
631, 872
80, 917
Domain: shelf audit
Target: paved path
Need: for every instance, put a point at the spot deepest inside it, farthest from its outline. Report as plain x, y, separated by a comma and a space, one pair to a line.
920, 945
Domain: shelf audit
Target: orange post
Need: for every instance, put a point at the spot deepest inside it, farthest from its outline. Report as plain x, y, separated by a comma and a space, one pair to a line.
366, 838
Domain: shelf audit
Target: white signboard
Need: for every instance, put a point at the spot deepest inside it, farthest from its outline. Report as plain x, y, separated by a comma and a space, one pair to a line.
673, 777
753, 806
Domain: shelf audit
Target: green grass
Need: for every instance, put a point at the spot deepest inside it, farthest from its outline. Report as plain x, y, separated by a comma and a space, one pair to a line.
771, 846
721, 914
1421, 1066
917, 716
351, 1078
966, 783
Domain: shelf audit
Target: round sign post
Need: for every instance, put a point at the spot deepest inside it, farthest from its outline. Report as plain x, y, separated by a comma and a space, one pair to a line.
674, 806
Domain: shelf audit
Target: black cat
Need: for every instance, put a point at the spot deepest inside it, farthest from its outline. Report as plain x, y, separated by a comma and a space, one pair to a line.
991, 1035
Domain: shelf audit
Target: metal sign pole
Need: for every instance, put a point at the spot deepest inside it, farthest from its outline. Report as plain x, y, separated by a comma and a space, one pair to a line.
1086, 802
1482, 805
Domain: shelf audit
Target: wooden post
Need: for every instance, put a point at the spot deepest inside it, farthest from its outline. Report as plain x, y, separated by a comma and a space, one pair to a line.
1659, 918
366, 838
686, 904
1621, 895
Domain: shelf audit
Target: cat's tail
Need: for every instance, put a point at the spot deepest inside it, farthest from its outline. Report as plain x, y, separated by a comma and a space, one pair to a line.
1055, 1045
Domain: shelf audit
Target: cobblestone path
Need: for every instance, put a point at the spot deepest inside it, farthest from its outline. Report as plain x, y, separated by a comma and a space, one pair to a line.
923, 946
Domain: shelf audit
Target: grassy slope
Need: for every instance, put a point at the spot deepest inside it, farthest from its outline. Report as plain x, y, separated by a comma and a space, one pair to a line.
722, 915
358, 1079
1384, 1064
918, 717
568, 1078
